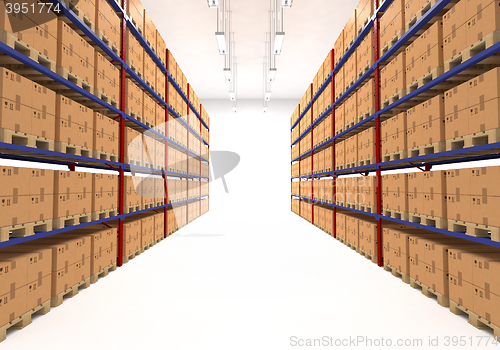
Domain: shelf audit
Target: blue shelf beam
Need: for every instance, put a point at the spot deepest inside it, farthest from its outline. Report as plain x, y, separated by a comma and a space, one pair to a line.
38, 235
481, 240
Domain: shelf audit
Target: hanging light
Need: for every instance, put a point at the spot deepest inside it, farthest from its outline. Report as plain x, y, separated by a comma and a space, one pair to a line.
221, 42
214, 3
272, 75
267, 97
232, 96
278, 42
286, 3
227, 75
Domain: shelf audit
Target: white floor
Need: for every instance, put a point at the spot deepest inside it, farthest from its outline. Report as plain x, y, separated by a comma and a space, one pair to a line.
248, 275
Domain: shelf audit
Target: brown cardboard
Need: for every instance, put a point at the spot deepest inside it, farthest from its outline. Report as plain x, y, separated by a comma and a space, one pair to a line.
483, 88
458, 192
484, 116
482, 23
484, 211
455, 43
461, 260
415, 194
455, 17
483, 181
339, 47
12, 305
487, 305
65, 199
456, 111
484, 272
41, 190
461, 292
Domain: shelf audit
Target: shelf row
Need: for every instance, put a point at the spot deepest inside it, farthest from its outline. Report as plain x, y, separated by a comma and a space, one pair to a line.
364, 72
37, 276
135, 17
11, 136
39, 200
425, 161
75, 223
460, 135
97, 76
138, 23
481, 240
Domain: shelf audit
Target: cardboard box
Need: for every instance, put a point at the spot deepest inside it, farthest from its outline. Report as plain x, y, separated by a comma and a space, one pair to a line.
456, 111
392, 24
434, 193
484, 106
41, 188
42, 28
350, 30
350, 70
351, 109
339, 82
161, 47
74, 123
415, 192
458, 195
107, 23
455, 43
483, 22
455, 18
487, 305
351, 149
364, 52
364, 11
412, 7
366, 144
17, 101
426, 122
339, 48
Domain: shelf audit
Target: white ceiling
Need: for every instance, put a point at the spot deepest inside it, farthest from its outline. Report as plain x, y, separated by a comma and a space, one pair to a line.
189, 26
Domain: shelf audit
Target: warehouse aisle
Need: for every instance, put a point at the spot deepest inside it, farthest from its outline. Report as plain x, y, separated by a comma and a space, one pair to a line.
248, 275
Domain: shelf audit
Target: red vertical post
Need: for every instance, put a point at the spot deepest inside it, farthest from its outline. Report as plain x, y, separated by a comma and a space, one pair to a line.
121, 176
165, 187
187, 155
376, 29
334, 176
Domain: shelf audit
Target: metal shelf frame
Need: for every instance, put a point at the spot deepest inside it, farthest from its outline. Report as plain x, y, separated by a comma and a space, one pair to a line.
481, 240
481, 152
38, 235
118, 60
393, 49
120, 11
17, 152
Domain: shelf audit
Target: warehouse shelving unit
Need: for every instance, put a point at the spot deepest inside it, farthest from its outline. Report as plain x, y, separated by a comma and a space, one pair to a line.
422, 162
18, 152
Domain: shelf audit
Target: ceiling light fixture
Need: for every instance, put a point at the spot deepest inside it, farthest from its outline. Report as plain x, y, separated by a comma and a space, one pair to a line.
286, 3
267, 96
272, 75
221, 42
227, 75
232, 96
278, 42
215, 3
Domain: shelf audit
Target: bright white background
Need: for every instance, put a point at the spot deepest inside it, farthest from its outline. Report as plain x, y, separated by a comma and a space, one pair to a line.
248, 275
